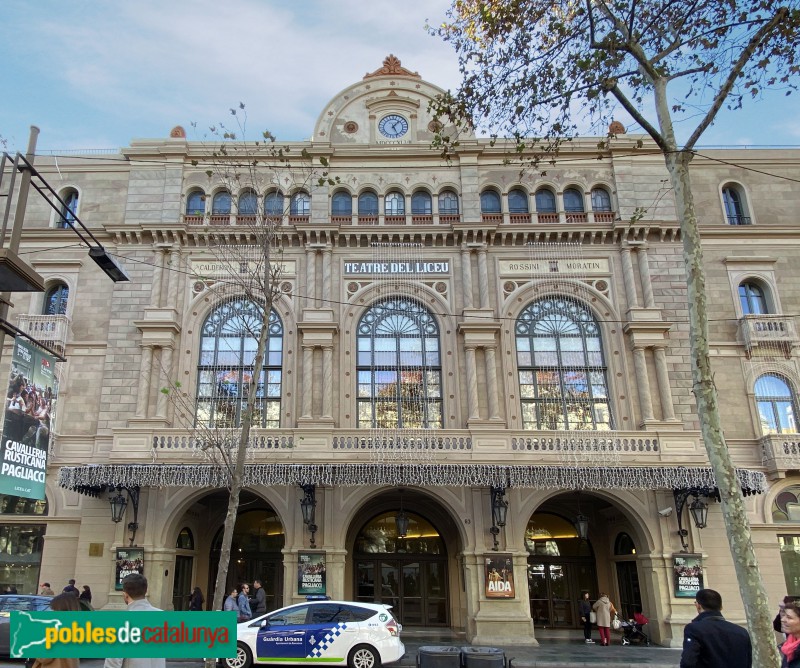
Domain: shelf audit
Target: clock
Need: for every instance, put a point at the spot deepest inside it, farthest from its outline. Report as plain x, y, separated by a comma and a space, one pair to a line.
393, 126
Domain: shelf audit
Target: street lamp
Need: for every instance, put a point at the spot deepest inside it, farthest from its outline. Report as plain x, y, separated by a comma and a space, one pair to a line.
499, 507
308, 506
119, 505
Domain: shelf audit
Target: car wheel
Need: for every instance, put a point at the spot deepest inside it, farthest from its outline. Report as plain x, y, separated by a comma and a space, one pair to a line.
363, 656
243, 658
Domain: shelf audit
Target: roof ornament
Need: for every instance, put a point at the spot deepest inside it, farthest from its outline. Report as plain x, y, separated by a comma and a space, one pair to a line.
392, 68
177, 132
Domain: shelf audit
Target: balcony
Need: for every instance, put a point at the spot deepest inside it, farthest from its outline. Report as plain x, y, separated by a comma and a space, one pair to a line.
367, 219
295, 219
604, 216
776, 332
738, 220
394, 220
341, 220
52, 330
449, 218
421, 219
576, 217
519, 218
194, 219
219, 219
780, 453
492, 218
547, 218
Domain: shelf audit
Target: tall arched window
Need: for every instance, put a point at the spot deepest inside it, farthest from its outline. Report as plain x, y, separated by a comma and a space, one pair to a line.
777, 404
221, 204
399, 367
300, 204
562, 374
448, 203
248, 204
227, 351
573, 200
545, 201
735, 208
273, 204
752, 299
395, 204
342, 204
368, 204
517, 201
68, 212
601, 200
421, 203
490, 202
196, 203
55, 300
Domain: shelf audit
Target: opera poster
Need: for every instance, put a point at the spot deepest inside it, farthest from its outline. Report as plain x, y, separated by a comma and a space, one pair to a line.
688, 571
311, 573
499, 573
30, 405
129, 560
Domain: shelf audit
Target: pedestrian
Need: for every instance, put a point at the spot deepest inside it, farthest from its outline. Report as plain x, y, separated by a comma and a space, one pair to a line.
71, 588
586, 618
258, 603
64, 602
777, 623
711, 641
196, 599
245, 613
231, 604
134, 592
790, 649
86, 594
45, 590
605, 610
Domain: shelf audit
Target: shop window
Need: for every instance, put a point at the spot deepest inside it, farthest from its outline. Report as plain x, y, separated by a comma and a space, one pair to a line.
221, 204
735, 205
55, 300
300, 204
752, 299
399, 367
777, 405
17, 505
601, 200
421, 204
196, 203
517, 201
545, 201
70, 208
185, 539
368, 204
273, 204
490, 202
448, 203
562, 373
21, 551
248, 204
228, 349
624, 545
790, 559
342, 204
573, 200
395, 204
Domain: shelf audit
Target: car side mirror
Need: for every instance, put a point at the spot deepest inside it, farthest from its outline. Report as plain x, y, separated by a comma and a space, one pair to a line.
264, 623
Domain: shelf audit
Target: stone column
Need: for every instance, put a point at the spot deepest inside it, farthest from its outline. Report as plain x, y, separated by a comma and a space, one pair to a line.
311, 277
145, 371
483, 278
466, 276
158, 278
662, 378
308, 374
642, 383
327, 279
176, 277
644, 276
165, 380
628, 279
327, 381
491, 377
472, 385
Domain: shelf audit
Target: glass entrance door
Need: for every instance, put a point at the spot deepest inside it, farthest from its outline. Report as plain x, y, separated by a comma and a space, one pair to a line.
554, 588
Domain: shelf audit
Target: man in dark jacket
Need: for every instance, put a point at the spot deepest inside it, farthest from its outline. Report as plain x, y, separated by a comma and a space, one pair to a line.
258, 602
709, 641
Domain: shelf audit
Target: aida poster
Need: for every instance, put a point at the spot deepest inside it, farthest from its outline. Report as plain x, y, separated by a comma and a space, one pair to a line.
499, 576
311, 573
688, 569
30, 404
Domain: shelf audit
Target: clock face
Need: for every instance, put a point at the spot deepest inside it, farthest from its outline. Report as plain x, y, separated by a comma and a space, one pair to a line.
393, 126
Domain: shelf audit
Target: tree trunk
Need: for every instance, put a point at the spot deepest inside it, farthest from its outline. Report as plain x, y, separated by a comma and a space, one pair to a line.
751, 586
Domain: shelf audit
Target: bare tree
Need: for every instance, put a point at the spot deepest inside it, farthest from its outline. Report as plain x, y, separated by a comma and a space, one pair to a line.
534, 69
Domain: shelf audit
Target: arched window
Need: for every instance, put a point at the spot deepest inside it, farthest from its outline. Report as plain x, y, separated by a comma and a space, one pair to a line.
776, 405
752, 299
573, 200
517, 201
185, 539
342, 204
448, 203
68, 212
624, 544
545, 201
248, 204
394, 204
601, 200
368, 204
221, 204
490, 202
273, 204
421, 203
562, 374
735, 209
55, 300
399, 367
300, 204
786, 508
196, 203
228, 348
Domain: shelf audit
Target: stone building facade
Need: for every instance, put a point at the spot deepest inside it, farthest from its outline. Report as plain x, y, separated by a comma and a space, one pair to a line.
556, 381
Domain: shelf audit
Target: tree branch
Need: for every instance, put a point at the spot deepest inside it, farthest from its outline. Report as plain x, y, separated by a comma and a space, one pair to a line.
638, 117
678, 44
736, 70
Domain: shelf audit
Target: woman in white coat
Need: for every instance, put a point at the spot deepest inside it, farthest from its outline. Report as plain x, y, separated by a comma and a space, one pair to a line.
604, 609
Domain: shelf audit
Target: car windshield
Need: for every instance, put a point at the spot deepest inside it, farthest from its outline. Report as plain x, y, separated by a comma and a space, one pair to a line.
19, 603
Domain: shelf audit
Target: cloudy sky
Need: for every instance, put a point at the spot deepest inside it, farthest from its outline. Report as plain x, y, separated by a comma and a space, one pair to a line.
98, 73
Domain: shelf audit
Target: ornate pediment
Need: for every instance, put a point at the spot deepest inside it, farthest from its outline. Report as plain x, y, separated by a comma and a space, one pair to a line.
391, 68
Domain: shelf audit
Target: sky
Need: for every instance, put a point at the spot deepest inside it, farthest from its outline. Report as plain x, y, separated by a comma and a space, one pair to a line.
96, 74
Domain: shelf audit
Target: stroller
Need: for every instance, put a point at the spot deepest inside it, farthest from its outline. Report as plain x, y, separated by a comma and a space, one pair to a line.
633, 629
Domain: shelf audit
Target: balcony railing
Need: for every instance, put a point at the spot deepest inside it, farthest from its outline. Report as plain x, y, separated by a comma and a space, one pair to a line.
738, 220
295, 219
341, 220
421, 219
492, 218
604, 216
780, 453
576, 217
768, 331
547, 218
449, 218
52, 330
394, 220
367, 220
219, 219
194, 219
519, 218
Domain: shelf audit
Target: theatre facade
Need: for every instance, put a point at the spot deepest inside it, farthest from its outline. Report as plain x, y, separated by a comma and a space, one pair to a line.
477, 399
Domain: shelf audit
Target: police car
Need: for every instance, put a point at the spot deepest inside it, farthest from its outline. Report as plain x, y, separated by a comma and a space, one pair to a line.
359, 635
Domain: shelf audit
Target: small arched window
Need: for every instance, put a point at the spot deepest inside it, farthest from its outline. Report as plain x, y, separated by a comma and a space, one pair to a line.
624, 544
573, 200
421, 203
517, 201
368, 204
55, 300
601, 200
196, 203
752, 299
70, 210
777, 405
273, 204
300, 205
248, 204
735, 208
545, 201
342, 204
221, 204
395, 204
490, 202
448, 203
185, 539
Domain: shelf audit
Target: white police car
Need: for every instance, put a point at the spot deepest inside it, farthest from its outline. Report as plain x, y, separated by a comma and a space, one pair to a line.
359, 635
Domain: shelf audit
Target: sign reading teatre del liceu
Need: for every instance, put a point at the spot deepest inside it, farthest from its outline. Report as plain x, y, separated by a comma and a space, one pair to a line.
426, 267
583, 266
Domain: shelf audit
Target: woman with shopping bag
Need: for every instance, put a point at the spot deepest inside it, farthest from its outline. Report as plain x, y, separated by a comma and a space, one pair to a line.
605, 611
